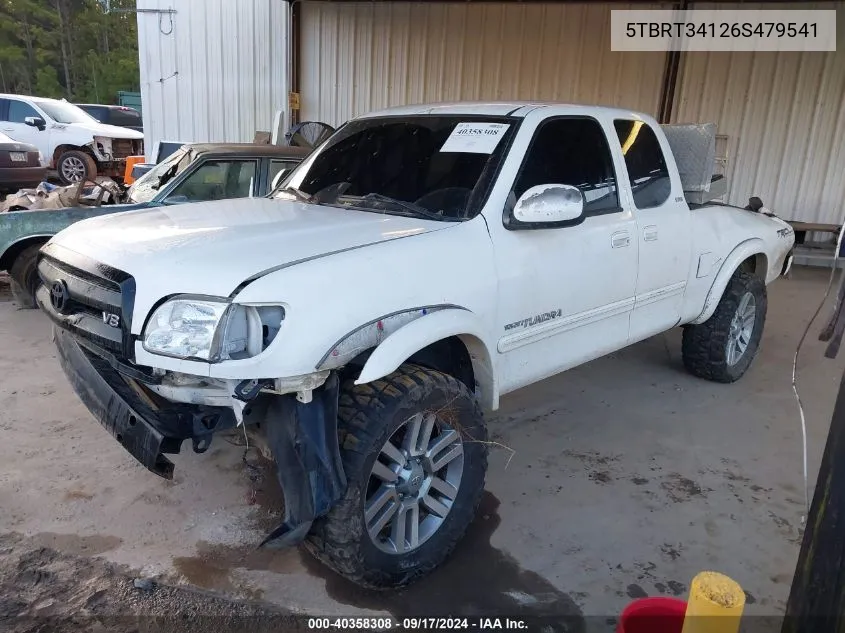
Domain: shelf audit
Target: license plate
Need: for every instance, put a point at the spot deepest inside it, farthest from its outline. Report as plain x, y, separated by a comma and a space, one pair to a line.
18, 157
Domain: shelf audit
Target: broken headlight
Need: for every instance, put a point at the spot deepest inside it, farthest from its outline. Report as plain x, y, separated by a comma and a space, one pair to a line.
209, 330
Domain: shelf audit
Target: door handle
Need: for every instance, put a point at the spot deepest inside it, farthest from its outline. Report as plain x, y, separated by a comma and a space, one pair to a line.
8, 129
650, 233
620, 239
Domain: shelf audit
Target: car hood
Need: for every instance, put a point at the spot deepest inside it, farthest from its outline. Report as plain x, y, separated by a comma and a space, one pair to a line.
212, 248
102, 129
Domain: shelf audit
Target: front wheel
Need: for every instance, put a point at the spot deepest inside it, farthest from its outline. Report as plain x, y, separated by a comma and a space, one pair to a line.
722, 348
413, 448
74, 166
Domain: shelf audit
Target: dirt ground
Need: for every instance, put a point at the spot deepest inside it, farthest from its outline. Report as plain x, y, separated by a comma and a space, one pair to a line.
623, 478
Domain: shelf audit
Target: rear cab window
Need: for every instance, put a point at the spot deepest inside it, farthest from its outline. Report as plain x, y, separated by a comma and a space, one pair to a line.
645, 163
124, 117
96, 112
279, 166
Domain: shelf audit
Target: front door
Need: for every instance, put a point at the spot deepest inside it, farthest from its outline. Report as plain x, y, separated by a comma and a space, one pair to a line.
566, 292
13, 113
663, 217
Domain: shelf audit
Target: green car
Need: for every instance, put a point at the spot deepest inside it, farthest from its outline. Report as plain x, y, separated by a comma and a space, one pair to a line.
194, 173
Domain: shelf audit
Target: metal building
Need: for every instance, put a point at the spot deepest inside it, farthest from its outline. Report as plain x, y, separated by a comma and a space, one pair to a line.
223, 67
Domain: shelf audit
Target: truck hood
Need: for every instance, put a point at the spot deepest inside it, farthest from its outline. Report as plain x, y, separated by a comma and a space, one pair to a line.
212, 248
102, 129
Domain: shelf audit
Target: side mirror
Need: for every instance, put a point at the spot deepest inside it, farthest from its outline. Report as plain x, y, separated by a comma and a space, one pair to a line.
36, 121
549, 204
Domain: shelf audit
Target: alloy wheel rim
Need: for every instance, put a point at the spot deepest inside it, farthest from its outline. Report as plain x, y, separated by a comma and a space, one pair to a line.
413, 484
73, 169
742, 326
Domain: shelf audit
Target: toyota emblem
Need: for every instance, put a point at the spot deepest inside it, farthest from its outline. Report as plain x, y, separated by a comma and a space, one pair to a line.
59, 296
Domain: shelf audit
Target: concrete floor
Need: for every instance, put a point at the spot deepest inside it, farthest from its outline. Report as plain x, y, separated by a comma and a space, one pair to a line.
628, 476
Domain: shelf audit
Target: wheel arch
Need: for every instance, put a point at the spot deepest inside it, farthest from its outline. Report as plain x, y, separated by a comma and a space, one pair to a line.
749, 256
61, 149
446, 340
14, 249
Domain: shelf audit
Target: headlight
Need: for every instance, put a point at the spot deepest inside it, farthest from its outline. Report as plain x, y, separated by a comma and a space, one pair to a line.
211, 330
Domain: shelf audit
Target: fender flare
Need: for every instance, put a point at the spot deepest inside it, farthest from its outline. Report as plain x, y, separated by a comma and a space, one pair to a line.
746, 249
416, 335
27, 238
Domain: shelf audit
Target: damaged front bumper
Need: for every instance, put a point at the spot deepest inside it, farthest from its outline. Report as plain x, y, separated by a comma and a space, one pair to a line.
301, 436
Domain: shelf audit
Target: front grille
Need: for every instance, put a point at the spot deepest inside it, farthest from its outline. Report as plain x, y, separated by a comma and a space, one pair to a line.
123, 147
79, 298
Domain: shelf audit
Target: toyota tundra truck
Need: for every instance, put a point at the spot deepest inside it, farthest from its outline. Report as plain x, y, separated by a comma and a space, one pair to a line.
420, 264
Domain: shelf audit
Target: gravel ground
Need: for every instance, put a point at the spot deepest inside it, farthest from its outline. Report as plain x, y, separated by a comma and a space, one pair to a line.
42, 589
624, 478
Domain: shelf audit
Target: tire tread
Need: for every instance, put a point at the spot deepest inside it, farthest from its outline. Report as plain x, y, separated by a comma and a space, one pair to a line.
359, 427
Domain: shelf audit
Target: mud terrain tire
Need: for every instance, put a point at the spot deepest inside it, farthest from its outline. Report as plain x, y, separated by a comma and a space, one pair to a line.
705, 347
370, 416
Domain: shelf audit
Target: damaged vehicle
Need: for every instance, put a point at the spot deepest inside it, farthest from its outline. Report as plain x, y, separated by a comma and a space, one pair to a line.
418, 265
70, 140
195, 172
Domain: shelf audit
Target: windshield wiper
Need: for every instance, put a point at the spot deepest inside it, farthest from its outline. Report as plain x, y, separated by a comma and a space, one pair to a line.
410, 207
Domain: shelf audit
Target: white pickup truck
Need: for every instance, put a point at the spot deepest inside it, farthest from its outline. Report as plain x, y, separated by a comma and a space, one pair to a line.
420, 264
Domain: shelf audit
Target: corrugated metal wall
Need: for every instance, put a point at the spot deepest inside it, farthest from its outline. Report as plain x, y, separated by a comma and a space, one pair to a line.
217, 72
358, 57
784, 118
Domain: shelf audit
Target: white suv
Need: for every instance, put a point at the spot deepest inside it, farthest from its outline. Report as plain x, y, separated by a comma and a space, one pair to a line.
70, 140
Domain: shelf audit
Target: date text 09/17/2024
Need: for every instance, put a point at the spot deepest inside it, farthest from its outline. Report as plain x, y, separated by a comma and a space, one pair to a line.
423, 624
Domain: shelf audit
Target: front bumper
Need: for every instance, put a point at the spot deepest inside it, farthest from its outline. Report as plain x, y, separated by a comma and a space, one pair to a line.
144, 429
302, 437
22, 177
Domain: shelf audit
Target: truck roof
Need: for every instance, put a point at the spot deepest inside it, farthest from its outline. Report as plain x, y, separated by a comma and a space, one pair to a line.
251, 149
501, 108
31, 98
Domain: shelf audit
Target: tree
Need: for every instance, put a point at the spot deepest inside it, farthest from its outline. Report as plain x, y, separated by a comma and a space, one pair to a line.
68, 48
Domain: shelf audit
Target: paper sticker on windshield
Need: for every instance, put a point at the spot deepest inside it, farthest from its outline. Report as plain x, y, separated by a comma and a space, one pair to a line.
475, 138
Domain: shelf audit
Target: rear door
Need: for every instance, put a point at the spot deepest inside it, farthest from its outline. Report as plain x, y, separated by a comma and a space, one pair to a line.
656, 199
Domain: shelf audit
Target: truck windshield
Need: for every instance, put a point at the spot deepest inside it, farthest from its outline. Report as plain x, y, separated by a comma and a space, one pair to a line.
65, 112
431, 166
147, 186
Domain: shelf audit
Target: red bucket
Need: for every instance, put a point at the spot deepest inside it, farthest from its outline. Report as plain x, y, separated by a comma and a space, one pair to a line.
653, 615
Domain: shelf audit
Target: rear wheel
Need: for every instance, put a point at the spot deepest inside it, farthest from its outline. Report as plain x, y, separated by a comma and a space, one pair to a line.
25, 280
414, 452
75, 165
722, 348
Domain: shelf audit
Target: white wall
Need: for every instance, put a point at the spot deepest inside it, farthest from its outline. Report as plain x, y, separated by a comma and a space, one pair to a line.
358, 57
218, 73
784, 118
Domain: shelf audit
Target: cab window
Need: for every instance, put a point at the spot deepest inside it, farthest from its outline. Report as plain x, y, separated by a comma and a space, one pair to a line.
18, 111
644, 161
276, 168
216, 180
